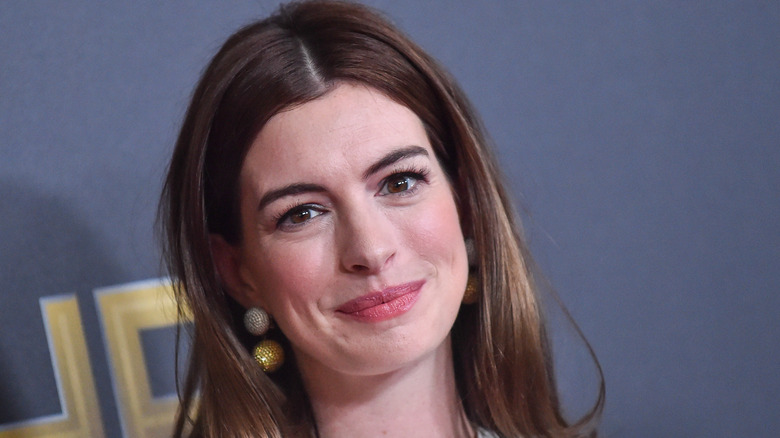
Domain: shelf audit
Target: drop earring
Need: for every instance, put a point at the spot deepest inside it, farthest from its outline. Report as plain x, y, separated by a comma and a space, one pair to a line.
257, 321
268, 353
471, 294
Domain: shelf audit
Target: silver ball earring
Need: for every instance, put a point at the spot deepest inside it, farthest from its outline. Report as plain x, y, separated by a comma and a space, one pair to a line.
256, 321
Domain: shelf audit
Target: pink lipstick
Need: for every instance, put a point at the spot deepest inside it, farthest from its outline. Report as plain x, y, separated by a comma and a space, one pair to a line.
386, 304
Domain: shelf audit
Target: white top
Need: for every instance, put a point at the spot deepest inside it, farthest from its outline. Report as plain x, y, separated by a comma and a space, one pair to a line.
484, 433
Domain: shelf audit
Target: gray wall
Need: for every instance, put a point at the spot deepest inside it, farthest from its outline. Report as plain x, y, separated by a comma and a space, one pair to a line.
641, 138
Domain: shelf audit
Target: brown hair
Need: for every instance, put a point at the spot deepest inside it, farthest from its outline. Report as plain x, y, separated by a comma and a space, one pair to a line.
502, 360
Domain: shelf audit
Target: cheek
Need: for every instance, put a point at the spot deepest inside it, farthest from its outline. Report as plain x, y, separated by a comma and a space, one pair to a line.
436, 231
290, 276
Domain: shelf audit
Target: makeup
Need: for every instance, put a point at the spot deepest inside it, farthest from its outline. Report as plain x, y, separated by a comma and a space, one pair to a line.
383, 305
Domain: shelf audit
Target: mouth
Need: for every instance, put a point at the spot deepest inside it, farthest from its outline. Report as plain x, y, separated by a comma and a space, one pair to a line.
386, 304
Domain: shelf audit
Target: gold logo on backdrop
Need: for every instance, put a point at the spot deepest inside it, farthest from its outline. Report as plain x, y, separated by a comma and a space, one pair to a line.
125, 311
80, 412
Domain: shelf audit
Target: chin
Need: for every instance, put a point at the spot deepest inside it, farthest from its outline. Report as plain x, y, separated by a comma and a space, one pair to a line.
399, 348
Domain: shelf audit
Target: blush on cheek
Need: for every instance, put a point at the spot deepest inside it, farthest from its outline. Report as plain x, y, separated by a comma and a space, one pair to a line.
293, 272
436, 230
442, 216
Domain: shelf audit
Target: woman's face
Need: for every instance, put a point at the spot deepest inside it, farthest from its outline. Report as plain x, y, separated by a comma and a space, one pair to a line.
351, 236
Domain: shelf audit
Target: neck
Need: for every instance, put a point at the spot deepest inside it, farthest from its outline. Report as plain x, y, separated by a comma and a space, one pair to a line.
420, 400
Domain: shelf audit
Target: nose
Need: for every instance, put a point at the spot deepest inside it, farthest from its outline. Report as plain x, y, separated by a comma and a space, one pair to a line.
367, 241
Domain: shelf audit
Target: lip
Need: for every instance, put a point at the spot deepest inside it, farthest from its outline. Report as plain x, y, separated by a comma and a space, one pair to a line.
383, 305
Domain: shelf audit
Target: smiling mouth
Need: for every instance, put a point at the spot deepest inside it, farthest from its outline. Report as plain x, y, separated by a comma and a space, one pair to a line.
379, 306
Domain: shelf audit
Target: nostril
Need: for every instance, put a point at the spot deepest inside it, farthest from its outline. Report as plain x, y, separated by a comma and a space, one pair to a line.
358, 267
368, 263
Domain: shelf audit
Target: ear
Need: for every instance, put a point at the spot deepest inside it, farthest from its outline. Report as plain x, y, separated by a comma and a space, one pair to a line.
228, 261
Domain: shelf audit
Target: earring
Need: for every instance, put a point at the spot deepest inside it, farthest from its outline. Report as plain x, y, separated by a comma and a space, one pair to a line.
471, 295
268, 353
471, 252
257, 321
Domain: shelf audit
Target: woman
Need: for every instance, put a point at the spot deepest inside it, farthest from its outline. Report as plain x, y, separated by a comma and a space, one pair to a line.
329, 177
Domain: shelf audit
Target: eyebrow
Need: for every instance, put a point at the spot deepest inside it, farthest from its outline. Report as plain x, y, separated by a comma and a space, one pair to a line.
394, 157
292, 189
296, 188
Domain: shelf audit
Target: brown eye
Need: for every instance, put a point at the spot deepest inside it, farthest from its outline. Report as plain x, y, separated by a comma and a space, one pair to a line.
402, 183
398, 184
300, 217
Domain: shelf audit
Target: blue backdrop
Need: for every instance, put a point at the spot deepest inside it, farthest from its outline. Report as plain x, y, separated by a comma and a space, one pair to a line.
641, 138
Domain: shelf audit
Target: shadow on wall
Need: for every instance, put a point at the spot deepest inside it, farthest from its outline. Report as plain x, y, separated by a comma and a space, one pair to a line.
45, 250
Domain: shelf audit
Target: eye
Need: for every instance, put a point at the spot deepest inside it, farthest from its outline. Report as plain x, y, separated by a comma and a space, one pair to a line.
399, 183
299, 215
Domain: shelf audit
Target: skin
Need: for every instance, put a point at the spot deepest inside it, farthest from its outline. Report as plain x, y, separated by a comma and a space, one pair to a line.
340, 198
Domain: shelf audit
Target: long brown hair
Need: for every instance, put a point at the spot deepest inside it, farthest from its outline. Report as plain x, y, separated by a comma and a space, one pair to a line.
502, 359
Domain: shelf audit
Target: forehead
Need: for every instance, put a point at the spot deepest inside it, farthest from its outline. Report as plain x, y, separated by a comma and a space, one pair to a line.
347, 128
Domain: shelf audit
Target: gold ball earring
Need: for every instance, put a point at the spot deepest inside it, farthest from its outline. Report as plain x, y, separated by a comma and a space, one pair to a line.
268, 353
471, 295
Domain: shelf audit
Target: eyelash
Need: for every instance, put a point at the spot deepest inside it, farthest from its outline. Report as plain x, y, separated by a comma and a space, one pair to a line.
280, 219
419, 174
